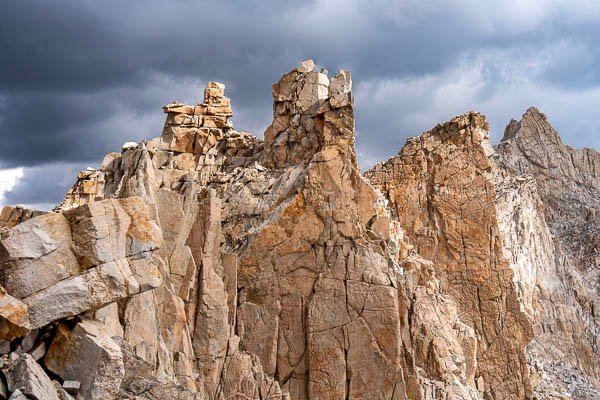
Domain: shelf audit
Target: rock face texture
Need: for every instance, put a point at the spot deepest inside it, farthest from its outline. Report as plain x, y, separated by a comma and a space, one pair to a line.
550, 202
209, 264
441, 190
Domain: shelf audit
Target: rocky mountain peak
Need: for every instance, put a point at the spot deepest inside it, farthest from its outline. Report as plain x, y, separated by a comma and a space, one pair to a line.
208, 264
551, 190
534, 113
440, 189
470, 129
533, 146
534, 131
194, 129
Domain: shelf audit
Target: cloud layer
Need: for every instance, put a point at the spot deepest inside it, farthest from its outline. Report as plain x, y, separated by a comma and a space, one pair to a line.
77, 79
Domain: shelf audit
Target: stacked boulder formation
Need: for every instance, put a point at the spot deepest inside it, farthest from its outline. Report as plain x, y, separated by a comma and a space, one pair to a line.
210, 264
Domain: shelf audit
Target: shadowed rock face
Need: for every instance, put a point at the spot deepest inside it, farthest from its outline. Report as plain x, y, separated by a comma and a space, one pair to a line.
550, 200
208, 264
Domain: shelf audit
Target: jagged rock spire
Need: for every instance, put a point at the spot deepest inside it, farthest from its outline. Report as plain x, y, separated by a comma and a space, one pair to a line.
533, 125
533, 146
440, 189
310, 112
549, 201
195, 129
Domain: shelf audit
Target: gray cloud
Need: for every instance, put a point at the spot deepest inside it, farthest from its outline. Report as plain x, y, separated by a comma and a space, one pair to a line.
77, 79
39, 186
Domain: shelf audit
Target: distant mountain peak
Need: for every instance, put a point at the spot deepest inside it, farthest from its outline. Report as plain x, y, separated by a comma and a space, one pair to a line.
533, 129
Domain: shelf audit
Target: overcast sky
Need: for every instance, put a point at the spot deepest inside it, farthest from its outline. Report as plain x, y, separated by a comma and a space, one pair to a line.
79, 78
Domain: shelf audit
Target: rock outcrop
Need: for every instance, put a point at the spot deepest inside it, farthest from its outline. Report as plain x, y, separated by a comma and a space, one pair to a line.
209, 264
12, 216
441, 190
86, 354
14, 317
550, 200
26, 377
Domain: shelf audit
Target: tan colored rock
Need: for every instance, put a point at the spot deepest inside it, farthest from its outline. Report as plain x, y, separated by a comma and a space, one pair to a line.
307, 66
89, 187
141, 326
64, 264
227, 267
12, 216
36, 254
112, 230
139, 382
308, 115
439, 349
440, 189
314, 307
14, 317
245, 379
181, 139
86, 292
87, 355
212, 330
178, 108
301, 262
196, 129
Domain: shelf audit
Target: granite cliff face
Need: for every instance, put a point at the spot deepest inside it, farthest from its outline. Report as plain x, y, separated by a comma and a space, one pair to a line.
210, 264
441, 190
550, 200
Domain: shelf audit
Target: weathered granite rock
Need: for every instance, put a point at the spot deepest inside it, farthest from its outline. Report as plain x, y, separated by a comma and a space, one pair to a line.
71, 387
64, 264
138, 382
23, 374
3, 390
442, 193
12, 216
90, 189
63, 393
314, 306
14, 317
18, 395
549, 199
87, 355
36, 254
309, 112
173, 327
249, 312
208, 264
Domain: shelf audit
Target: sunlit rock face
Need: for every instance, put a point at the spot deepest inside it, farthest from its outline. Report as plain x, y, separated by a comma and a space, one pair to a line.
441, 190
210, 264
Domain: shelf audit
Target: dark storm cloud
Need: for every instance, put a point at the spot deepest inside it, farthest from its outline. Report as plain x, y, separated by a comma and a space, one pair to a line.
39, 187
78, 78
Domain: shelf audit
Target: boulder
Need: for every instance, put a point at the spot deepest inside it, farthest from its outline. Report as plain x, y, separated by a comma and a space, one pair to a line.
63, 264
14, 317
24, 374
87, 355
